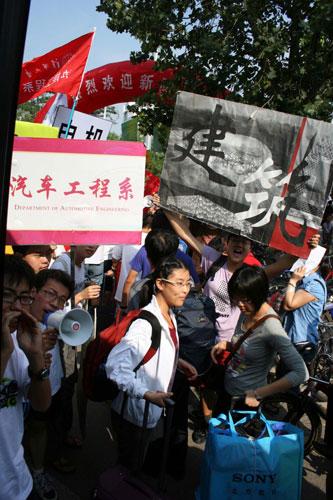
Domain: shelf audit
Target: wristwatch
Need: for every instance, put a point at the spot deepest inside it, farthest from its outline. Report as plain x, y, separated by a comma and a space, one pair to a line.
42, 374
256, 395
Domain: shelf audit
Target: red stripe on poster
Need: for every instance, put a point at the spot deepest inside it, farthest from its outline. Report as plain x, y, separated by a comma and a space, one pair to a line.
292, 163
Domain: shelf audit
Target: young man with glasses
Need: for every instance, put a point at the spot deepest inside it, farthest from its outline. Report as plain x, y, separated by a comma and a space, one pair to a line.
22, 376
53, 290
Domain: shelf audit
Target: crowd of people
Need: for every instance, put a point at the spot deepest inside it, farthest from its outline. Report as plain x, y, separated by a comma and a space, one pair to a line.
40, 372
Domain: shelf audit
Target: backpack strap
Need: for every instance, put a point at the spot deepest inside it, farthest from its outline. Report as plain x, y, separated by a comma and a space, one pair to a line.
217, 264
155, 336
325, 290
246, 335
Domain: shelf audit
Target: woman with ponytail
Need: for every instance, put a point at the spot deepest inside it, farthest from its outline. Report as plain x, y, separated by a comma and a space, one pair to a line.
168, 287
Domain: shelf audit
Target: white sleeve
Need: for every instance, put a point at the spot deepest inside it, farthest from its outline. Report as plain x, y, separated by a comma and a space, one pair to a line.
126, 356
117, 252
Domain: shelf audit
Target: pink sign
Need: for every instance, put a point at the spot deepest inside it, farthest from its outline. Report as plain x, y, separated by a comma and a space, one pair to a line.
75, 192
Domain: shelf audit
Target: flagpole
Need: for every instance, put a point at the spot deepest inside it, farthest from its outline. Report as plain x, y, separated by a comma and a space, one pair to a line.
76, 97
70, 118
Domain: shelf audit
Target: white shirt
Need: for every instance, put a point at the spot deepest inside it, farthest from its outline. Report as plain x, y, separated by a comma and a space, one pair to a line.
155, 375
56, 370
15, 478
97, 258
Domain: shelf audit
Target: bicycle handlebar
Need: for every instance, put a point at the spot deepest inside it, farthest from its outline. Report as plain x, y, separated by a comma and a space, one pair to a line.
314, 379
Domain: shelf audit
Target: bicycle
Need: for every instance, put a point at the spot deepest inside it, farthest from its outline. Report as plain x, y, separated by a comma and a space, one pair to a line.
322, 364
299, 409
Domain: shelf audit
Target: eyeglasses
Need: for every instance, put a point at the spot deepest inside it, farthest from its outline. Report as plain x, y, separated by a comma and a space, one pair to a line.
242, 300
62, 301
178, 284
10, 298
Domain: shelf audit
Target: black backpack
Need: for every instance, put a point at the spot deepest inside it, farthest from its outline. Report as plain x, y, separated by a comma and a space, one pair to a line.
196, 323
196, 329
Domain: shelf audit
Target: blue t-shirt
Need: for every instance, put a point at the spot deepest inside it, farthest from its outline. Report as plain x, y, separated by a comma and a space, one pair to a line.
140, 263
301, 324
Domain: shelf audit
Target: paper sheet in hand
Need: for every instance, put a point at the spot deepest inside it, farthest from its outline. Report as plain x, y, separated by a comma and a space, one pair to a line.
312, 261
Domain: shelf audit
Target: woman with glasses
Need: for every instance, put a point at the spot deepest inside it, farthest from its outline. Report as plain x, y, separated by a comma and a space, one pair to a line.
247, 372
218, 270
168, 287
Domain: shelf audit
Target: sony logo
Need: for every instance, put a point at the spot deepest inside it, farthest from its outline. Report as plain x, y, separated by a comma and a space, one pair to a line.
254, 478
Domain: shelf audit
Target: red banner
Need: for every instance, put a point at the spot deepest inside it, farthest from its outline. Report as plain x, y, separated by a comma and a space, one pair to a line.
118, 82
57, 71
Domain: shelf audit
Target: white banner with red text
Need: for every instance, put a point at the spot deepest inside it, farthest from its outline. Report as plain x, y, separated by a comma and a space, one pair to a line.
75, 192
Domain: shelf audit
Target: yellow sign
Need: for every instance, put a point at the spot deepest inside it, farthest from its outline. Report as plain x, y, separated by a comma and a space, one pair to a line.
28, 129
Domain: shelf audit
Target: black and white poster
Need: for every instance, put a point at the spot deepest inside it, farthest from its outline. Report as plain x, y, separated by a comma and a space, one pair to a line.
259, 173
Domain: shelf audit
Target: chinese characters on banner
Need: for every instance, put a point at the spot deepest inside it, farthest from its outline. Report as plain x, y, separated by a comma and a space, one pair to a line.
82, 126
75, 192
259, 173
57, 71
119, 82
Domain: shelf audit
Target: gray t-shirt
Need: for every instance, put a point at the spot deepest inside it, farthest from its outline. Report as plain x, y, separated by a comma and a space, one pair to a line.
250, 365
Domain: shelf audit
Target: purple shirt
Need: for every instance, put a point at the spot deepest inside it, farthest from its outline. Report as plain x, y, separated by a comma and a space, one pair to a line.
217, 290
140, 263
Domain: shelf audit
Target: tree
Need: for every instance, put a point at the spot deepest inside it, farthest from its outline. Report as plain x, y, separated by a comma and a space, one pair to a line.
272, 53
27, 111
107, 113
113, 137
156, 166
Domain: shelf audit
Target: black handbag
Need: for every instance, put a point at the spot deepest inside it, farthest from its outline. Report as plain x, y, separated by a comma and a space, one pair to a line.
214, 378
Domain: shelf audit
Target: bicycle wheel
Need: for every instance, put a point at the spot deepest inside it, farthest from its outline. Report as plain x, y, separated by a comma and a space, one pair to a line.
322, 367
288, 408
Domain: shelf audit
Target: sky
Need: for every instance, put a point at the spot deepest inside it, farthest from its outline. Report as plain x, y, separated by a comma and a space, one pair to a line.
53, 23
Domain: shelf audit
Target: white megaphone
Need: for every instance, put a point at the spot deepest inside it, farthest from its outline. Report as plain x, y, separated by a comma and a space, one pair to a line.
148, 201
75, 327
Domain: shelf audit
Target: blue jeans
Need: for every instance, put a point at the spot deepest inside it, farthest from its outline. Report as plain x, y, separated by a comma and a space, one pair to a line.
95, 272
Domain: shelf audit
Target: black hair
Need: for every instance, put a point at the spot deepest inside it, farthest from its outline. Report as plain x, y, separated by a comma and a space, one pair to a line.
163, 270
230, 235
160, 244
324, 267
147, 220
217, 243
26, 249
57, 275
21, 249
17, 270
251, 283
161, 221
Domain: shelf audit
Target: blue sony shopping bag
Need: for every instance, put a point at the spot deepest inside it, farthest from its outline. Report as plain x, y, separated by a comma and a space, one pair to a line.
237, 468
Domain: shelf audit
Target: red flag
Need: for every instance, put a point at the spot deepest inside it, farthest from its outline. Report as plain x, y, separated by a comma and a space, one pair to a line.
47, 114
119, 82
57, 71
